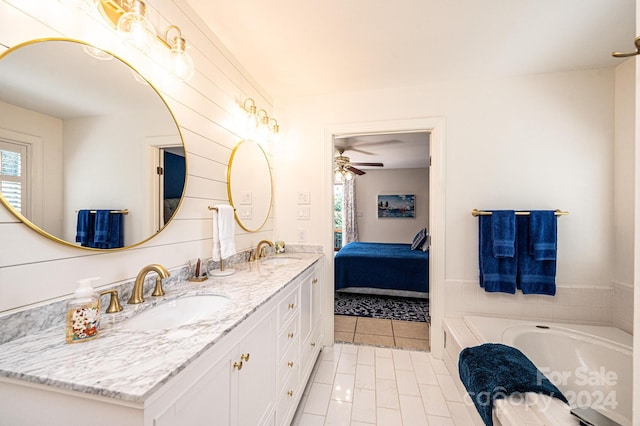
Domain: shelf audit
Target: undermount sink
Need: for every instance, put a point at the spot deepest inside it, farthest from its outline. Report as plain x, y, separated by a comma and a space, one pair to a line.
279, 260
181, 311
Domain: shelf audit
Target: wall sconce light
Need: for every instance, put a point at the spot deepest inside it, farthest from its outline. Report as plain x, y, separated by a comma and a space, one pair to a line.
258, 120
129, 17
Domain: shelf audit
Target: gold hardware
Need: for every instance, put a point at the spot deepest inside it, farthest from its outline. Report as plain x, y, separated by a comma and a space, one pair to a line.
114, 303
125, 211
237, 365
244, 357
476, 212
136, 293
290, 335
216, 209
314, 281
260, 116
625, 55
290, 364
290, 393
260, 249
291, 306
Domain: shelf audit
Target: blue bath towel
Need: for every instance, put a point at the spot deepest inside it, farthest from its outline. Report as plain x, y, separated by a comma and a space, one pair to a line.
493, 371
84, 228
534, 276
543, 234
503, 233
116, 230
497, 274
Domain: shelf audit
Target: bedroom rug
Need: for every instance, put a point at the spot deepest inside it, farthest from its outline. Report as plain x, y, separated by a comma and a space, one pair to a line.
383, 307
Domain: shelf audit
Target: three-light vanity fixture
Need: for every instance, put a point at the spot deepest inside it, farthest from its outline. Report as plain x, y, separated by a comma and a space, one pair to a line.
259, 125
129, 18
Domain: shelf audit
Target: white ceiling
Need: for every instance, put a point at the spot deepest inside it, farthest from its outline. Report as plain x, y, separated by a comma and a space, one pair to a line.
309, 47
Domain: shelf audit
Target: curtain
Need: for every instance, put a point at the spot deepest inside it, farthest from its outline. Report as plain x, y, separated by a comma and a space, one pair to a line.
350, 224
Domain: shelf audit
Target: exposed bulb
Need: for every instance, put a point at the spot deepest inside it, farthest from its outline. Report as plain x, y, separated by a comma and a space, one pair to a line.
181, 62
136, 28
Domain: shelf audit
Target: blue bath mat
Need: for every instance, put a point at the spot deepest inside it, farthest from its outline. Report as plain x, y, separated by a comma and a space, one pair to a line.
383, 307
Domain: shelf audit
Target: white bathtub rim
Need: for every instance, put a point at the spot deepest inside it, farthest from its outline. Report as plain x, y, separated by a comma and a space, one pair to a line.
614, 336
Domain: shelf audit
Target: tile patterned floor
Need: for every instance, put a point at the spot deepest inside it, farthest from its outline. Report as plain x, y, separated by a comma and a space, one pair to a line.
357, 385
381, 332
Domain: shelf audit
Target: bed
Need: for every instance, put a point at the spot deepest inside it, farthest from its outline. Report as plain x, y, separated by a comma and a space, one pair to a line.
387, 266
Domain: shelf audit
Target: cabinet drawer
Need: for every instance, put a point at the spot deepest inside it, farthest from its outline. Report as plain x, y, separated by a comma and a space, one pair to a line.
288, 366
289, 307
287, 400
288, 338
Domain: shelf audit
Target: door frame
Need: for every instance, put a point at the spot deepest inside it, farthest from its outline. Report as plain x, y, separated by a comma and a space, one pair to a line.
436, 127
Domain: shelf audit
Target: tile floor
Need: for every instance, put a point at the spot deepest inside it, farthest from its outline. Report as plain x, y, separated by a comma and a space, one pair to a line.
381, 332
358, 385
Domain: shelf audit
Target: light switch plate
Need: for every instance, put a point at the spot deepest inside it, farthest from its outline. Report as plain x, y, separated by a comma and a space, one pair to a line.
304, 213
244, 213
304, 198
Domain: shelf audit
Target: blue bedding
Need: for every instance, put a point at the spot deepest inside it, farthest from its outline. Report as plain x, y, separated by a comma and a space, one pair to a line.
382, 265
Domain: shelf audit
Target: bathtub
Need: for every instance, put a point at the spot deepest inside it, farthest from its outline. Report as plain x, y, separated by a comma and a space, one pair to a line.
591, 365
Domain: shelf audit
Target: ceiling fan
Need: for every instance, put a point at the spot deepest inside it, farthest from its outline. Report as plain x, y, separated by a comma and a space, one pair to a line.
346, 168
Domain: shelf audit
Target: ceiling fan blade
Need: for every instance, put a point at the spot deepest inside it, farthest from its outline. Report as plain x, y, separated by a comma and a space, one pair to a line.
342, 148
356, 171
368, 164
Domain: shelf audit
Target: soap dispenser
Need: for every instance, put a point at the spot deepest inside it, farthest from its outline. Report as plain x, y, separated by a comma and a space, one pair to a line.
83, 313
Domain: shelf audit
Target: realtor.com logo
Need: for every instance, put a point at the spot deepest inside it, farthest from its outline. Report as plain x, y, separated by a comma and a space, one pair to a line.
586, 387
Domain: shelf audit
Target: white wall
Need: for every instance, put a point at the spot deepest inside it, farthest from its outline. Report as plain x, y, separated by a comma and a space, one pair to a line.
34, 269
44, 135
624, 195
539, 141
393, 181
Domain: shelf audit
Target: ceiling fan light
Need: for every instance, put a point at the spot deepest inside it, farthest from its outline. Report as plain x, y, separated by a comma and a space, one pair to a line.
348, 175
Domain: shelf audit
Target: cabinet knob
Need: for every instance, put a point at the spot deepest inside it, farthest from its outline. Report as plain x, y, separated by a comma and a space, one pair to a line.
290, 335
290, 364
245, 357
291, 305
290, 393
237, 365
313, 344
314, 281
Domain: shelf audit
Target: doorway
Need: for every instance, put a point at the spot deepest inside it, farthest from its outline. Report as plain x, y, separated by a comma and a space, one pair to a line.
371, 307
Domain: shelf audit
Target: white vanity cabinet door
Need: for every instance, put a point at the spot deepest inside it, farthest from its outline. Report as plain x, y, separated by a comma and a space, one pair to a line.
256, 379
311, 317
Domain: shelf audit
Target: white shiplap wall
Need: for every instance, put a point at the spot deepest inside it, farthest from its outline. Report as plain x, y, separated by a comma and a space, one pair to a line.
35, 270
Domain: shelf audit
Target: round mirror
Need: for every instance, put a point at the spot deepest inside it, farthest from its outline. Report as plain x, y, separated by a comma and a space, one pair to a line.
88, 149
249, 185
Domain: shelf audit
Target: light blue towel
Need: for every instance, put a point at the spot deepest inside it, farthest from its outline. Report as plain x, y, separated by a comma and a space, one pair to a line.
503, 233
543, 235
534, 276
497, 274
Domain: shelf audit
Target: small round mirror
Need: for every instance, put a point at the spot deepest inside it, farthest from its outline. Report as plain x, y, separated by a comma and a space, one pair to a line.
249, 185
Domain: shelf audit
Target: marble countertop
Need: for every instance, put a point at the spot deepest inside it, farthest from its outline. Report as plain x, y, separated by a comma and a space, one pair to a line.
131, 365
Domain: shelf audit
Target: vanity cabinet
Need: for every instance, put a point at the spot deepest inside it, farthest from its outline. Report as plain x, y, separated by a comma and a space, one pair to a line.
253, 375
235, 389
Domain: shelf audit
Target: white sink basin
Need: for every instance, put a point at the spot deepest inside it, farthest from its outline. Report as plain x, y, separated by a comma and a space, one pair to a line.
181, 311
279, 260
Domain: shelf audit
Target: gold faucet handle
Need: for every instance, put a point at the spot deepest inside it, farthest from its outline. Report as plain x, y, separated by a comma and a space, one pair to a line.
114, 303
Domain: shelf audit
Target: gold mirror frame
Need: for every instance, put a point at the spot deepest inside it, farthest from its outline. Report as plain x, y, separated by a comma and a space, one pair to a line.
247, 168
179, 135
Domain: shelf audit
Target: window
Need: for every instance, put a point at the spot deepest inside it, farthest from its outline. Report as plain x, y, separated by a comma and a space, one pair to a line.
13, 181
338, 197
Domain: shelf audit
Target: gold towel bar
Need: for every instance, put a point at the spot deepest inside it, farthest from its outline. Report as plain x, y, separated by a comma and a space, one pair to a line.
216, 209
125, 211
476, 212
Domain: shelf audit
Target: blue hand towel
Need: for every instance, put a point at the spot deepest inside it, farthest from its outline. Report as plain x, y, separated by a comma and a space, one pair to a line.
116, 231
503, 233
493, 371
534, 276
101, 233
82, 227
496, 274
543, 234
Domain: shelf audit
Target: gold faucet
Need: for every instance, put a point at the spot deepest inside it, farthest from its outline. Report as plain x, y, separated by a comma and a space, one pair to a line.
260, 249
136, 294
